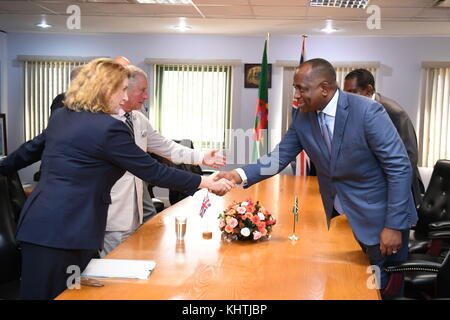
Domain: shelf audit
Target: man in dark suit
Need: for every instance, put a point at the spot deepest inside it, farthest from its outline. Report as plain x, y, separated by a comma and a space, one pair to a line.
362, 165
362, 82
58, 101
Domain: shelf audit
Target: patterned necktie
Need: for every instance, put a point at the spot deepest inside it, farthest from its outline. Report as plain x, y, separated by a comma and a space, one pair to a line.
129, 123
325, 131
328, 137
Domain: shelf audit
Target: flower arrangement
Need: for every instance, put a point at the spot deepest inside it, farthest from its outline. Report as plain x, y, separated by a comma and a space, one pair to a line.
246, 221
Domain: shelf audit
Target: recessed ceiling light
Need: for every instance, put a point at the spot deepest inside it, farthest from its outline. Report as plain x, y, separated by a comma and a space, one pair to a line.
165, 1
329, 27
43, 25
340, 3
182, 28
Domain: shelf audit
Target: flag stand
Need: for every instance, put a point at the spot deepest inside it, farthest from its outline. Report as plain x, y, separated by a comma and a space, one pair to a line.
295, 212
206, 234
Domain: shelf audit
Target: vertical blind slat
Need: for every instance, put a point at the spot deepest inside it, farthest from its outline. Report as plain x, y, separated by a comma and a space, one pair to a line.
43, 80
194, 104
434, 124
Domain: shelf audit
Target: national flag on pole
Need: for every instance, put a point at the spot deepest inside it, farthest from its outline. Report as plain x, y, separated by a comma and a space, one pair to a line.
262, 111
295, 208
205, 205
302, 165
302, 59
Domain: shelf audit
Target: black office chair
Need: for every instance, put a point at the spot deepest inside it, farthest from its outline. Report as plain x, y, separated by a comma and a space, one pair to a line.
175, 195
424, 279
159, 205
9, 248
435, 207
16, 194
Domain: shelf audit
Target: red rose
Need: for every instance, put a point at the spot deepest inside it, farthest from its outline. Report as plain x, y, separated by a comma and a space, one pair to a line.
261, 225
255, 219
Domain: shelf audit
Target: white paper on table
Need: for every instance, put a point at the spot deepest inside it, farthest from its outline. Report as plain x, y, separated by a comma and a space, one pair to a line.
119, 268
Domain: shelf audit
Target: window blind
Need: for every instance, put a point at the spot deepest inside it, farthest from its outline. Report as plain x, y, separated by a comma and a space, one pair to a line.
193, 101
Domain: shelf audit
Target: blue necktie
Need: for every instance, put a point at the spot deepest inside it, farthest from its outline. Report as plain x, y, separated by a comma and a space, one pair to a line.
129, 123
328, 137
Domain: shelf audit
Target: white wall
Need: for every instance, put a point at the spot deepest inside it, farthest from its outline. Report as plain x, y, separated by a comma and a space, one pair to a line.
400, 60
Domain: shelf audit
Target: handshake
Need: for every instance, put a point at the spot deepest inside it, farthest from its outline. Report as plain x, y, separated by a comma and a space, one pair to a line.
221, 182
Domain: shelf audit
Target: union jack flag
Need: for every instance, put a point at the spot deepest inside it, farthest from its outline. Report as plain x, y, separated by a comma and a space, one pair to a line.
205, 205
301, 166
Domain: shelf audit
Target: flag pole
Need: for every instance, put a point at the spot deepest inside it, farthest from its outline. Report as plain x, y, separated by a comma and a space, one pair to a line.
267, 130
295, 214
260, 132
305, 36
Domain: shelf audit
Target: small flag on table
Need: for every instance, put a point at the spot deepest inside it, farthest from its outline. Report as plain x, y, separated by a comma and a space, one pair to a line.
295, 212
295, 208
205, 205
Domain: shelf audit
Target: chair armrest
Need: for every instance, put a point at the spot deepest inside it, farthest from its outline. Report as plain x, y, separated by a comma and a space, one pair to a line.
415, 265
439, 235
207, 172
156, 200
441, 225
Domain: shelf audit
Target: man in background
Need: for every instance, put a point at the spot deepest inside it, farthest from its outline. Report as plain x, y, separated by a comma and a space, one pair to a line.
362, 82
58, 101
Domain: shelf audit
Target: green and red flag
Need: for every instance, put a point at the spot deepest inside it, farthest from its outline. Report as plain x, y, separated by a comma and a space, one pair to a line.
262, 110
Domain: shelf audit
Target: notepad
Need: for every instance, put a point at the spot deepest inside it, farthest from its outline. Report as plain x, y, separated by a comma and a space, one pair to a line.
119, 268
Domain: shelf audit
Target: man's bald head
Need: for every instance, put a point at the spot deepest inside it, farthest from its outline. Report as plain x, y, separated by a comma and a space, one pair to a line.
320, 69
122, 60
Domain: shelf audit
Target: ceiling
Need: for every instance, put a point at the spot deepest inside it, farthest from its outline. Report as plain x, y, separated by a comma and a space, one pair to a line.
227, 17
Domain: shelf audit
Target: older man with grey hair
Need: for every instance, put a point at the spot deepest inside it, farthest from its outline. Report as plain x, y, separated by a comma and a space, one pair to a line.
130, 195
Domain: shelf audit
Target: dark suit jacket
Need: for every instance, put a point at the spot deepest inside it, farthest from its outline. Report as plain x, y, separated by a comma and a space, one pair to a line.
405, 129
57, 103
68, 208
368, 166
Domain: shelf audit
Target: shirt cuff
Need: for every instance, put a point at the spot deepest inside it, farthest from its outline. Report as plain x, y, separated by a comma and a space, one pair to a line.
243, 176
201, 157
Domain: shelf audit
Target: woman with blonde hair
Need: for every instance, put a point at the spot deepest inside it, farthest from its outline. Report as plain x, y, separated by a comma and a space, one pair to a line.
84, 152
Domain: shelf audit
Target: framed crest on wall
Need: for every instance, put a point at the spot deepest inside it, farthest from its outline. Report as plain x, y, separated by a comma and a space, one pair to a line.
252, 73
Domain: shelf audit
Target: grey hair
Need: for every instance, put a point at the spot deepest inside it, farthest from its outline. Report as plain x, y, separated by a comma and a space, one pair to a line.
134, 72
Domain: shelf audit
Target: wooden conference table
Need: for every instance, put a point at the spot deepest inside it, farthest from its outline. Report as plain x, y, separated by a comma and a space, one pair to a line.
322, 264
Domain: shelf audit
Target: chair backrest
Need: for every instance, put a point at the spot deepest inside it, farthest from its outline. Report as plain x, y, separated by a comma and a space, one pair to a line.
9, 251
175, 195
425, 175
16, 194
435, 205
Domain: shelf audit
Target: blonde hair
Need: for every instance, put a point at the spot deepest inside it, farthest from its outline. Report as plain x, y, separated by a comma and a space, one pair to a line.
93, 87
